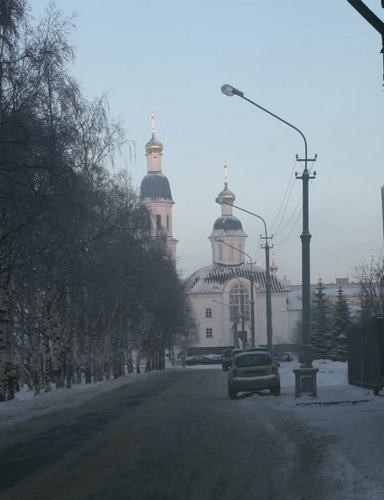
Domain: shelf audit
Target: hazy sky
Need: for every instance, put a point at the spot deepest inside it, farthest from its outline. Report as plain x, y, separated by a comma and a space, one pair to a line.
316, 64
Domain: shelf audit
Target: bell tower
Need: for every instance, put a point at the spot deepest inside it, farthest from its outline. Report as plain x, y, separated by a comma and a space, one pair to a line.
155, 193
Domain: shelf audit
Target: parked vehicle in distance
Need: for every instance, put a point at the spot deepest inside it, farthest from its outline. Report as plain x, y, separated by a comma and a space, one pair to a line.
228, 355
285, 356
253, 370
203, 359
226, 360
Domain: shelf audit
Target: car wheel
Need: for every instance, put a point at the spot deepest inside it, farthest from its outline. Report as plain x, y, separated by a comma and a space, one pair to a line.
232, 393
275, 391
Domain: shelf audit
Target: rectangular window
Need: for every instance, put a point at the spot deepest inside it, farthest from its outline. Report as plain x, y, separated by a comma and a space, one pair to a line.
208, 333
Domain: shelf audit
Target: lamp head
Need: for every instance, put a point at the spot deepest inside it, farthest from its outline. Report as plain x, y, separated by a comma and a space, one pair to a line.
229, 91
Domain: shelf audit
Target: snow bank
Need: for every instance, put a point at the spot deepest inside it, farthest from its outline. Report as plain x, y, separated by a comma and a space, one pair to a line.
332, 387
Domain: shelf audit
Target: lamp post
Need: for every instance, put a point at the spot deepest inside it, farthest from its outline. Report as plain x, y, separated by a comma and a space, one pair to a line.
268, 287
306, 375
251, 286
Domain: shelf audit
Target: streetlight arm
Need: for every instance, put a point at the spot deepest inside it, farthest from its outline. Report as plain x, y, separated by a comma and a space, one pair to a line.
278, 118
222, 202
368, 15
229, 91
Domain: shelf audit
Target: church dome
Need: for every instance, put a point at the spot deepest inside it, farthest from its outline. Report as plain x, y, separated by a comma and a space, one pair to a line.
153, 145
226, 196
227, 223
156, 187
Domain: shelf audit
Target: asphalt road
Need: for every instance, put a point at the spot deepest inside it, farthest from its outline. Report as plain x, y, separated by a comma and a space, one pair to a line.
173, 436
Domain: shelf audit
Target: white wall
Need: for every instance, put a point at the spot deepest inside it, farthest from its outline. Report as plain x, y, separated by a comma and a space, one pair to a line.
283, 321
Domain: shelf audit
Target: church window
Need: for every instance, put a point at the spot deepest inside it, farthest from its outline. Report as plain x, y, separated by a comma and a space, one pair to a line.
209, 333
208, 312
239, 308
158, 222
167, 222
220, 252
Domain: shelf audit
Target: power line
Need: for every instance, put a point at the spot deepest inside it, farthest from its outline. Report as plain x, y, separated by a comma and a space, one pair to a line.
285, 200
296, 219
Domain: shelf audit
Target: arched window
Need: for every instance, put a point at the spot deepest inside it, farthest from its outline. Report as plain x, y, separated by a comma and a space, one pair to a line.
167, 222
208, 312
239, 303
220, 251
158, 223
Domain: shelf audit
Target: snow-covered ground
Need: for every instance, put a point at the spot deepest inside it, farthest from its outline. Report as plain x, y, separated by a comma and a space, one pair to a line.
332, 388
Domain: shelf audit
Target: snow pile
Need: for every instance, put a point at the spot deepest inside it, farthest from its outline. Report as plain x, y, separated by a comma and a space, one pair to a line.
25, 406
330, 372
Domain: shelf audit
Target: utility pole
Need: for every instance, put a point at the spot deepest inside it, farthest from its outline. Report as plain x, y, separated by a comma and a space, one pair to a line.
372, 19
268, 286
306, 345
382, 203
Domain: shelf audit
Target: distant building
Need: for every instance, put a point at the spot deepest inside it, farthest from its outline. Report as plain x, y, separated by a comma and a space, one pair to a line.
351, 291
155, 194
220, 292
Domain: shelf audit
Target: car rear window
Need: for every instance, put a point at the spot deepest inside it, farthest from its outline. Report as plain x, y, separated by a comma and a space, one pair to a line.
253, 359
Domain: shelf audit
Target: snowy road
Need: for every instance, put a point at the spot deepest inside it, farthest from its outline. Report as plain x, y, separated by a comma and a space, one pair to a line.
176, 436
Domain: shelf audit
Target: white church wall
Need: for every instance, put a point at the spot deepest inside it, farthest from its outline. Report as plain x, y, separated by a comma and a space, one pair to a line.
283, 321
219, 322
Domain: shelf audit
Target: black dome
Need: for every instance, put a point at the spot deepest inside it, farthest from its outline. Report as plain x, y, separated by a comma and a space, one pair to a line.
155, 186
227, 223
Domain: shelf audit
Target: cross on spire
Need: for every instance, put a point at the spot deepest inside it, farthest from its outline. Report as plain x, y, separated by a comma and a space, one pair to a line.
153, 124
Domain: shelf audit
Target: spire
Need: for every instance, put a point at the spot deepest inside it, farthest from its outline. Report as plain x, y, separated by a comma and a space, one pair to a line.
225, 172
226, 197
227, 237
153, 146
153, 123
273, 267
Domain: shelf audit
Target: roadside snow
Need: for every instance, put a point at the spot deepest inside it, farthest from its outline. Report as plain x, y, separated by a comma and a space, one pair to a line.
25, 406
332, 387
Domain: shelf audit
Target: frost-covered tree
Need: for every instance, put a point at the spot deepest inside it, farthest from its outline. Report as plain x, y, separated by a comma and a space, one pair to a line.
371, 280
340, 321
81, 282
320, 327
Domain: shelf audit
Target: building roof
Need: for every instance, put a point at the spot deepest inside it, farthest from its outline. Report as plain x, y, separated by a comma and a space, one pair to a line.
153, 145
155, 186
227, 223
213, 278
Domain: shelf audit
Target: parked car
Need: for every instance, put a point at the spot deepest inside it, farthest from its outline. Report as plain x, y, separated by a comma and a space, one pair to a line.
284, 356
203, 359
253, 371
228, 355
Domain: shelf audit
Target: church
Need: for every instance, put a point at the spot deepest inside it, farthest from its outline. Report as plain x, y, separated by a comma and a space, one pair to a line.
220, 293
221, 296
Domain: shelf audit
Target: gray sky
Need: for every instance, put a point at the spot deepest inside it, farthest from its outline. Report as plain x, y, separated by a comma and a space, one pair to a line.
316, 64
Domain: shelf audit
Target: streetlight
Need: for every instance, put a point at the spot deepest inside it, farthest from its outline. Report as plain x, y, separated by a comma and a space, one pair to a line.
306, 375
267, 271
251, 284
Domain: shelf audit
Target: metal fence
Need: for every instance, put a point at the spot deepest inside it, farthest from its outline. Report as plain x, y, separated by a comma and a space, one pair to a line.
366, 354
